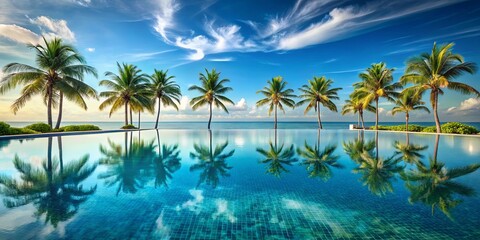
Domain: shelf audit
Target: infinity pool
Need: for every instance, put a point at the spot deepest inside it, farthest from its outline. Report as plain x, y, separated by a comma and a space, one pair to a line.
240, 184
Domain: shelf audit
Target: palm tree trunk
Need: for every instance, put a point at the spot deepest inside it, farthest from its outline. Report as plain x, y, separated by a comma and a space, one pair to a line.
358, 119
131, 116
318, 116
275, 121
60, 111
126, 113
435, 114
406, 121
376, 145
376, 114
210, 119
363, 123
49, 106
407, 138
158, 113
139, 119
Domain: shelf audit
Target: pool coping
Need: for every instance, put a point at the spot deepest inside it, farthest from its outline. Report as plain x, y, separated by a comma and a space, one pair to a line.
55, 134
428, 133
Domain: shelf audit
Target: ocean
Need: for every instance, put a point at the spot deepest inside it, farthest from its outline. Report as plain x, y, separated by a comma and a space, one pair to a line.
238, 125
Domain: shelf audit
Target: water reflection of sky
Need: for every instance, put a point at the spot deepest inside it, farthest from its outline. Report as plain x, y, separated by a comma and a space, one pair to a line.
246, 187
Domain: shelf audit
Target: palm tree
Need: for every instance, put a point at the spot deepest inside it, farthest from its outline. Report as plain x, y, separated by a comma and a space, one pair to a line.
435, 186
356, 105
276, 95
319, 161
211, 91
55, 191
212, 162
319, 92
129, 89
408, 102
166, 91
277, 157
376, 83
436, 71
59, 74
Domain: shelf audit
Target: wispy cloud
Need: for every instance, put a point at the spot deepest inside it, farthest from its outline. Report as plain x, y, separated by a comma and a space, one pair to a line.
54, 28
138, 57
305, 24
90, 49
330, 60
346, 71
18, 34
227, 59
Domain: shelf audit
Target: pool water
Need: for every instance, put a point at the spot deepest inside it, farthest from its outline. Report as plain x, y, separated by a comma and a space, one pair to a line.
240, 184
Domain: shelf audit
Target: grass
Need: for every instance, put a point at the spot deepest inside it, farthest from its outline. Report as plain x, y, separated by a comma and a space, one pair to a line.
450, 127
37, 128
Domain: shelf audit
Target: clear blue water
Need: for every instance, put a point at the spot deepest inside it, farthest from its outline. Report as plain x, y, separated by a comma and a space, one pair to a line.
240, 184
240, 125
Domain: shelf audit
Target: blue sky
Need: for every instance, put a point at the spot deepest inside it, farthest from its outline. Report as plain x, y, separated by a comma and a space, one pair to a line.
249, 42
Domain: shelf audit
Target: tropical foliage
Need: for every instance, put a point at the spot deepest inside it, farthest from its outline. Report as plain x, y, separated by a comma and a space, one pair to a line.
319, 92
59, 74
212, 92
128, 89
377, 82
436, 71
276, 95
165, 90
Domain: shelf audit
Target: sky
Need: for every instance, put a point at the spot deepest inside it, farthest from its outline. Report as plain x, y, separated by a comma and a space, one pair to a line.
249, 42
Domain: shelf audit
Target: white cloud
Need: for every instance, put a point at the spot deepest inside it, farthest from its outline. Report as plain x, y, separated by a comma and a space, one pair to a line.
18, 34
380, 110
137, 57
90, 49
220, 39
54, 28
471, 104
239, 106
306, 23
227, 59
163, 13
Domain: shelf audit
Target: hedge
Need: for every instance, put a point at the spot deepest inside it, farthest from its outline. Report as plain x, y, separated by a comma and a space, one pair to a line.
76, 128
411, 128
129, 126
4, 128
40, 127
453, 127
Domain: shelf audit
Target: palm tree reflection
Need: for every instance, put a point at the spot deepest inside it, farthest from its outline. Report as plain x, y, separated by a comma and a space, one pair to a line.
435, 186
277, 157
128, 165
54, 189
318, 161
165, 163
410, 153
376, 172
211, 163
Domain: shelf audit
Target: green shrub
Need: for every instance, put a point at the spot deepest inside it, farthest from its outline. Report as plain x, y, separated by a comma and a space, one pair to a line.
430, 129
18, 131
4, 128
411, 128
40, 127
75, 128
456, 127
129, 126
453, 127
